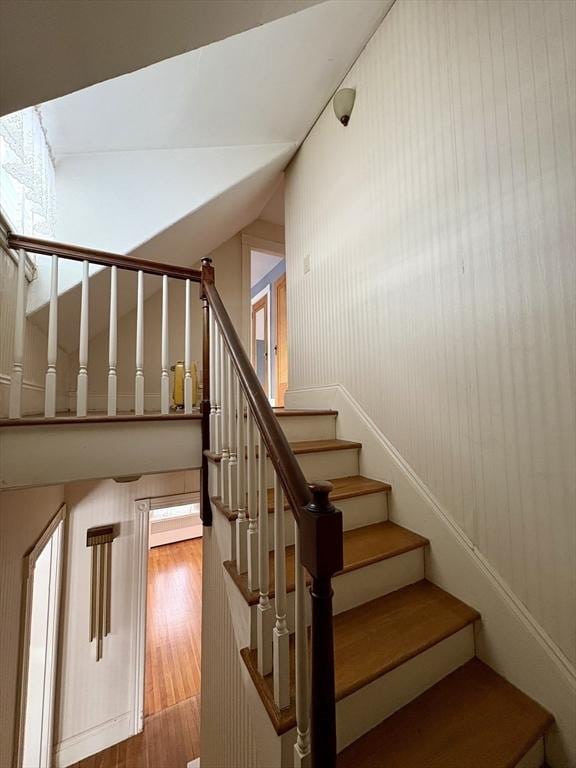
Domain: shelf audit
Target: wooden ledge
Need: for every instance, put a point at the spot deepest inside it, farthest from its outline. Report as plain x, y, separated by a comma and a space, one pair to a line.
362, 547
372, 640
35, 421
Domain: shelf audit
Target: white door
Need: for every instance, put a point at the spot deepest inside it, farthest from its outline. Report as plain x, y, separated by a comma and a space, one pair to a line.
41, 647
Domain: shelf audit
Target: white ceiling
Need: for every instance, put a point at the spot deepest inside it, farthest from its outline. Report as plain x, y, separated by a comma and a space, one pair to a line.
52, 47
261, 264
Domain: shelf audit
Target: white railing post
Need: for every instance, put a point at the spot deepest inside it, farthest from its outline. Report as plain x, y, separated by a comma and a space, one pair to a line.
50, 387
113, 344
281, 637
165, 376
224, 363
242, 519
139, 381
232, 447
265, 620
212, 381
17, 377
187, 354
252, 545
302, 746
217, 389
82, 385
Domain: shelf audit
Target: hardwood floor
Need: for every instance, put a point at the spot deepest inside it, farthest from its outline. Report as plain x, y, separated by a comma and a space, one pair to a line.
173, 626
170, 739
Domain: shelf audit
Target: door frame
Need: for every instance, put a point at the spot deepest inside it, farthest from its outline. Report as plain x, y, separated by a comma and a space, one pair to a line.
250, 243
281, 281
24, 663
263, 297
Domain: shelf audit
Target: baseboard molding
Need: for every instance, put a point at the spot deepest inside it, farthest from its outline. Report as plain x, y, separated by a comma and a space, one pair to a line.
509, 637
89, 742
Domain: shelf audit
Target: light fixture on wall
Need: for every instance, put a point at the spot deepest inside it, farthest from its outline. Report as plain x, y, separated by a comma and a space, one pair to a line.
343, 104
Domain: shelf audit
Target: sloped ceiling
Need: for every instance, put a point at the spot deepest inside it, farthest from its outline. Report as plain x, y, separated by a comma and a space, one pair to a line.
52, 47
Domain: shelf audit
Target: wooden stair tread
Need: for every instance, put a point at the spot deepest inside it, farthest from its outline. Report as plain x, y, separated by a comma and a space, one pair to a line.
344, 488
307, 446
373, 639
362, 547
472, 718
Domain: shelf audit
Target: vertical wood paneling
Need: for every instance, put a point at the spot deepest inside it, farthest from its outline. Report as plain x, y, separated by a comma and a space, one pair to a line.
440, 226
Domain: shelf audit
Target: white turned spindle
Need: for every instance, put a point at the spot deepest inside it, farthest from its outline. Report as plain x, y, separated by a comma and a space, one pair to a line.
232, 447
224, 362
281, 637
217, 389
165, 376
187, 353
50, 389
17, 377
302, 757
212, 347
82, 385
252, 546
265, 616
113, 344
139, 381
242, 519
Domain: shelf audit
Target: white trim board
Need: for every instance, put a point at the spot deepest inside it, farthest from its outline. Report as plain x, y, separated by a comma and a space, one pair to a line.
509, 639
266, 291
92, 741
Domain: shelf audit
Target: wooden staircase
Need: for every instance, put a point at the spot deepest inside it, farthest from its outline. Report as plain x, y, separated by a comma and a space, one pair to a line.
410, 691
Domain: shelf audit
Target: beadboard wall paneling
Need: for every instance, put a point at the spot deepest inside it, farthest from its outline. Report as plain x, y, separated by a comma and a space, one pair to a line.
35, 350
440, 228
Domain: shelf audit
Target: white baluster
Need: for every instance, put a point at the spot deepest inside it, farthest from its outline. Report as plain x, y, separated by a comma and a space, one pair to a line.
82, 385
212, 332
165, 376
17, 377
265, 620
224, 422
187, 354
50, 389
139, 381
302, 746
217, 389
232, 447
242, 519
252, 546
281, 636
113, 344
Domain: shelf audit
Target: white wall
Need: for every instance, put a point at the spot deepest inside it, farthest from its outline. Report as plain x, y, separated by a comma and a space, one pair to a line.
96, 698
23, 517
35, 350
440, 230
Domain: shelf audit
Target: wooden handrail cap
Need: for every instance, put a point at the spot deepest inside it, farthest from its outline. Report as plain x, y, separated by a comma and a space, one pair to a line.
321, 487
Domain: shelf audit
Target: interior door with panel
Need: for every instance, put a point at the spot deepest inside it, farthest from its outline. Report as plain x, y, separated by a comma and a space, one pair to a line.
281, 341
260, 340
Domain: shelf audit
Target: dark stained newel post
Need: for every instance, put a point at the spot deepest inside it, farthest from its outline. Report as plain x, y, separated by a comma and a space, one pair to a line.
322, 555
207, 277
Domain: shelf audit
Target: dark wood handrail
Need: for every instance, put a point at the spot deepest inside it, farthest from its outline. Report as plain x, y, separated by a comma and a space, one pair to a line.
103, 258
281, 455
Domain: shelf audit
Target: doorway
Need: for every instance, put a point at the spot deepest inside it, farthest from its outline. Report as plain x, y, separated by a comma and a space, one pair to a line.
40, 649
268, 322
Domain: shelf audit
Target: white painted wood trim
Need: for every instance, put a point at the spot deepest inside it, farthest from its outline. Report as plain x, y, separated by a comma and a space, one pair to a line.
281, 645
52, 353
217, 390
232, 447
164, 376
139, 380
93, 740
302, 756
15, 407
139, 607
252, 546
265, 292
250, 242
265, 620
224, 363
82, 382
242, 519
113, 344
187, 350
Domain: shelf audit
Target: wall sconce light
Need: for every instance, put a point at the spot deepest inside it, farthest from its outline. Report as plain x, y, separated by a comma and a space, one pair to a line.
343, 104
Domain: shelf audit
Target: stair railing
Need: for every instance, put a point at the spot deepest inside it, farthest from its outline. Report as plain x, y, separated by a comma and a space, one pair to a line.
117, 264
235, 405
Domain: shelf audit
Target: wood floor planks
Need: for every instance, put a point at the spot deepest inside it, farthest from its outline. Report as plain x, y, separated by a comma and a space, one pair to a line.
173, 625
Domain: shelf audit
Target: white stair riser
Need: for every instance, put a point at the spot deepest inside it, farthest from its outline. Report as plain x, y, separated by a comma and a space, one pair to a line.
360, 586
323, 465
368, 707
356, 513
308, 427
534, 758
